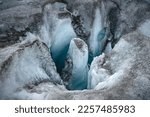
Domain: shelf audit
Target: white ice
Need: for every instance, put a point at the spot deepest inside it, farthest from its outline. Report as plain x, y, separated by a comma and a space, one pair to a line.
78, 51
108, 48
145, 28
30, 63
97, 27
96, 73
62, 36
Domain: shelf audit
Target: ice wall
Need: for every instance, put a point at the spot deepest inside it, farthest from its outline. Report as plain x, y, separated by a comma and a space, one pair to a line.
78, 54
98, 37
63, 34
145, 28
29, 64
97, 73
97, 27
57, 32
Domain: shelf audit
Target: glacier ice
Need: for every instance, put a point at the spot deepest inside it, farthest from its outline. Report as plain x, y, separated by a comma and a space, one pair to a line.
27, 70
102, 39
93, 40
63, 34
27, 63
145, 28
49, 22
57, 32
59, 6
97, 73
99, 37
108, 47
77, 60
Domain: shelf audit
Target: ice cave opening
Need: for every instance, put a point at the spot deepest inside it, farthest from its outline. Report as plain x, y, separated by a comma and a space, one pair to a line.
71, 54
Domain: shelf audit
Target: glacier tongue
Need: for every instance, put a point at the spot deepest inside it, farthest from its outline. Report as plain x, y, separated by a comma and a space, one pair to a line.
77, 68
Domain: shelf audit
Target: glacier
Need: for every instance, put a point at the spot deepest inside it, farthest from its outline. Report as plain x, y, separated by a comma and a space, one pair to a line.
97, 73
63, 34
31, 63
98, 41
94, 41
78, 56
144, 28
66, 49
57, 32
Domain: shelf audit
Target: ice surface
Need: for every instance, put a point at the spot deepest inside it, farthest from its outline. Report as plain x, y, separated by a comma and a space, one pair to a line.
102, 38
57, 32
145, 28
78, 53
50, 19
108, 48
96, 73
27, 70
99, 36
110, 81
63, 34
97, 27
29, 62
59, 6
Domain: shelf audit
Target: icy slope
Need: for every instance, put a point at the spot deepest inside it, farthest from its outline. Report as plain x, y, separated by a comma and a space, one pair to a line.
127, 71
128, 75
57, 31
24, 64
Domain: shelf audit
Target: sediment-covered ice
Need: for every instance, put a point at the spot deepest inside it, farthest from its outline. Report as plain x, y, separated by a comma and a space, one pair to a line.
97, 73
99, 36
25, 64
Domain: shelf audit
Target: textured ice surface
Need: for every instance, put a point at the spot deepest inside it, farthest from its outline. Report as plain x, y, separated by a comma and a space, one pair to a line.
98, 37
57, 32
97, 27
78, 54
63, 34
27, 63
97, 74
145, 28
28, 72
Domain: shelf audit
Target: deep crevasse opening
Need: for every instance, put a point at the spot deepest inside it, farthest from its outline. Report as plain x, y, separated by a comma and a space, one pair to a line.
59, 35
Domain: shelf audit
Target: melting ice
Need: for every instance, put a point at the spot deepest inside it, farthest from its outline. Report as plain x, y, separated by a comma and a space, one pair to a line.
99, 33
63, 34
58, 34
78, 53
